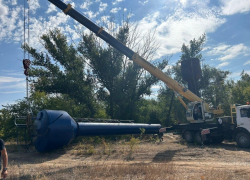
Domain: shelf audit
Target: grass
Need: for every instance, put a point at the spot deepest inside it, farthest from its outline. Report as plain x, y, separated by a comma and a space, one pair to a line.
124, 171
100, 158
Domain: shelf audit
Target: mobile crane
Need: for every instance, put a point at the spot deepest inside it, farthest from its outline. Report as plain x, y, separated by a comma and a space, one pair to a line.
207, 114
197, 130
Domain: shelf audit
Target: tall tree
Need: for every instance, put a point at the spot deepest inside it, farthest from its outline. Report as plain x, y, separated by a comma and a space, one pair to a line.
122, 82
193, 50
60, 69
213, 84
241, 89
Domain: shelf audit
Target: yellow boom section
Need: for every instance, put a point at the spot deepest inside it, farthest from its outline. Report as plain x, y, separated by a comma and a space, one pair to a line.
172, 84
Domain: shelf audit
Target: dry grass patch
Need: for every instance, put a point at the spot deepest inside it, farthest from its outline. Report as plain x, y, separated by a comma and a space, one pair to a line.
132, 158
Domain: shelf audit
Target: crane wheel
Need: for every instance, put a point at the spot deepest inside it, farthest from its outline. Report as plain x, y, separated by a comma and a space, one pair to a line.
188, 136
243, 140
197, 138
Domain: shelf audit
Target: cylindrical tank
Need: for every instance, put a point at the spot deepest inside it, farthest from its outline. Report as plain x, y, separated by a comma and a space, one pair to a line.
54, 129
95, 129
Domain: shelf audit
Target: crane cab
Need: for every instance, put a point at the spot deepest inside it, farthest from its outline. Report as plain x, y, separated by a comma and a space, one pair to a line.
196, 113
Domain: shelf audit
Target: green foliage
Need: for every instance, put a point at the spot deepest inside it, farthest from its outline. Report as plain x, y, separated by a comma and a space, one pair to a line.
8, 129
142, 132
214, 86
123, 83
113, 86
61, 70
177, 111
241, 89
132, 143
194, 48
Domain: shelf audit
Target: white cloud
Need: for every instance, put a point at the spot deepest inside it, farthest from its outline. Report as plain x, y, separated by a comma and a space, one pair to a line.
11, 73
105, 19
5, 103
143, 2
116, 2
10, 92
228, 52
10, 22
183, 2
71, 33
180, 27
115, 10
192, 3
3, 9
91, 14
13, 2
102, 6
236, 75
248, 62
223, 64
34, 5
51, 8
7, 79
231, 7
86, 4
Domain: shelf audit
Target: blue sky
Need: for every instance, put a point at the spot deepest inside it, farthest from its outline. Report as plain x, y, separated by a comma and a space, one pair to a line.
226, 23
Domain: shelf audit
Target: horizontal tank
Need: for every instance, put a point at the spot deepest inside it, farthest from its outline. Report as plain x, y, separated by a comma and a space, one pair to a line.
54, 129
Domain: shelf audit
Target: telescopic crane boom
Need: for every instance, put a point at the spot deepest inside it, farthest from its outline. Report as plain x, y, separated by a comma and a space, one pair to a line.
175, 86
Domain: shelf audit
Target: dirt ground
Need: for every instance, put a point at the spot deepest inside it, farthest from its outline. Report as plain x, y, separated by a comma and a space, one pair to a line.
187, 161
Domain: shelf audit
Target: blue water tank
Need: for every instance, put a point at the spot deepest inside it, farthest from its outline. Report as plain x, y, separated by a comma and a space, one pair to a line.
95, 129
53, 129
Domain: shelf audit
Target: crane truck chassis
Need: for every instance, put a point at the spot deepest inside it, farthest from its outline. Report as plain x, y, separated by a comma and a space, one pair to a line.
234, 128
198, 130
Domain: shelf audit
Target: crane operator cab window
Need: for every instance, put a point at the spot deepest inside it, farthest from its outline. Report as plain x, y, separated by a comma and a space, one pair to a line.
245, 113
197, 112
194, 111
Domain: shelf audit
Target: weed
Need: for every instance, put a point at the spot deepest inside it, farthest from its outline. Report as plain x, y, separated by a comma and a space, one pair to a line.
142, 132
154, 139
132, 143
89, 150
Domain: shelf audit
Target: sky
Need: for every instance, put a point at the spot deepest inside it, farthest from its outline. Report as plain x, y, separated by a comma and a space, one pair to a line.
225, 22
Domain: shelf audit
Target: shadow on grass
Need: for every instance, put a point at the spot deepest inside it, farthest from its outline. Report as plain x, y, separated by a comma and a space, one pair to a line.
22, 156
226, 145
164, 156
67, 173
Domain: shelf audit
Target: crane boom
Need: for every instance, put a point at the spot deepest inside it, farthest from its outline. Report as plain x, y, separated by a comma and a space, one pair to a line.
67, 9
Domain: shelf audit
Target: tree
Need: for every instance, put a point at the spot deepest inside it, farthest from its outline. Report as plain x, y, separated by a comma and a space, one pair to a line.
212, 85
241, 89
122, 82
194, 49
61, 70
171, 110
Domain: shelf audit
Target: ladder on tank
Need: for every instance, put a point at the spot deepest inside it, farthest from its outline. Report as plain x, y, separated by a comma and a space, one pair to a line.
26, 123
